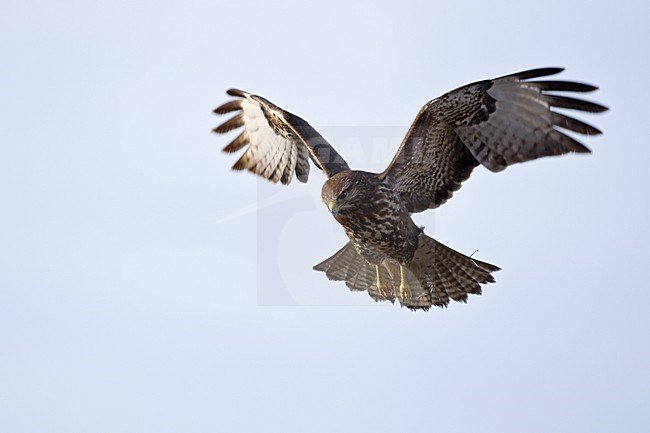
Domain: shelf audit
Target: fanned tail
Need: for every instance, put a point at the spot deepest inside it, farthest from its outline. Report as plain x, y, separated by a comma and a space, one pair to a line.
348, 265
446, 273
436, 275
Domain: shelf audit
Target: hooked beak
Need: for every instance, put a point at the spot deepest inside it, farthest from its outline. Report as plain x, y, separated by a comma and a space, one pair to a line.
333, 207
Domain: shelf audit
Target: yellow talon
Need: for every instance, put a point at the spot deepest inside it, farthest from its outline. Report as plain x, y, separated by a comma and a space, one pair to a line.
404, 291
380, 285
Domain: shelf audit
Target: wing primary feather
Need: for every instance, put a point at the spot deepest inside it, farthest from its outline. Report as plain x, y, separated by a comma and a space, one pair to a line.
575, 125
241, 163
569, 144
237, 143
236, 92
228, 107
230, 124
574, 104
533, 73
562, 86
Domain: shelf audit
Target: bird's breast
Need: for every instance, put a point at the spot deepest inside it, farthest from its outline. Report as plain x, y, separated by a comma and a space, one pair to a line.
380, 229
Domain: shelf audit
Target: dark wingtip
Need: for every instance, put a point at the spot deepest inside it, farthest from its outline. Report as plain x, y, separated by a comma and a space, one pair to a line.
237, 143
539, 72
575, 125
240, 164
230, 124
228, 107
236, 92
601, 108
578, 147
564, 86
574, 104
532, 73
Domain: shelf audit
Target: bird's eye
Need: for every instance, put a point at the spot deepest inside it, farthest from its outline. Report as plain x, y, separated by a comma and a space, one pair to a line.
343, 194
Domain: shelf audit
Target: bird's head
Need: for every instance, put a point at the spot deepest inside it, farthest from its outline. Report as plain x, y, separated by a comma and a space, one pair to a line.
341, 192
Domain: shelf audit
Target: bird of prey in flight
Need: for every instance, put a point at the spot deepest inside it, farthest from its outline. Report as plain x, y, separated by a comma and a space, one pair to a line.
494, 123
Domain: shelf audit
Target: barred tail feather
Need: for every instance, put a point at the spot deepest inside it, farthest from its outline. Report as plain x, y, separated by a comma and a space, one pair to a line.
436, 275
448, 274
347, 265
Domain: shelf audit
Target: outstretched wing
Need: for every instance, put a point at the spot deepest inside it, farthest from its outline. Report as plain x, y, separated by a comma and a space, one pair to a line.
496, 123
279, 142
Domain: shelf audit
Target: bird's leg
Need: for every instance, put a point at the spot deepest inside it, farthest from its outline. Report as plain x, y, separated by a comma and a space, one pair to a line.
404, 291
380, 285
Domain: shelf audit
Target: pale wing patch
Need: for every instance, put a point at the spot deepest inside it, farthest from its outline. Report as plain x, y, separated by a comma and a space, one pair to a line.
273, 152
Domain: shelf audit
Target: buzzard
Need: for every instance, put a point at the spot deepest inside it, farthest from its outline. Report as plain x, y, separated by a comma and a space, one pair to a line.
494, 123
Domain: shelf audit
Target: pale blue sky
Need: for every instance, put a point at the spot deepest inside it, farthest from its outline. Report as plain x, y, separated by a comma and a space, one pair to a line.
130, 254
